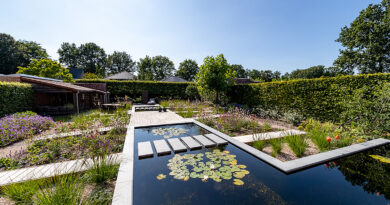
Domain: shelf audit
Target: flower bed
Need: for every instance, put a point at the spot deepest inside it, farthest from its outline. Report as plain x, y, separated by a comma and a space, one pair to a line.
21, 126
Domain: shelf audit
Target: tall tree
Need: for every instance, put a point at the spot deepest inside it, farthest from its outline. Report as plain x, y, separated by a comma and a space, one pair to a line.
9, 54
162, 67
120, 61
241, 72
215, 75
31, 50
366, 41
254, 74
145, 68
69, 54
47, 68
187, 70
312, 72
89, 57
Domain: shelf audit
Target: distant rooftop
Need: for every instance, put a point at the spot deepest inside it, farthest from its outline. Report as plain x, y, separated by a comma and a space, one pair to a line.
174, 79
121, 76
77, 73
33, 76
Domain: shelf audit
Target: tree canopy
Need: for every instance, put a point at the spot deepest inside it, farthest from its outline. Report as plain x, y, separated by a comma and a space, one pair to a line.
89, 57
47, 68
312, 72
18, 53
187, 70
215, 75
366, 41
241, 72
156, 68
119, 62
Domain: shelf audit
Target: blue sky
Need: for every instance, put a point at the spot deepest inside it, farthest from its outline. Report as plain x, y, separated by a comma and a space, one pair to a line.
259, 34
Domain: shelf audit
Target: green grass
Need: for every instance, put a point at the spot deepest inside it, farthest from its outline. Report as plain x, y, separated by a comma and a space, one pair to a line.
297, 144
259, 144
276, 145
102, 170
267, 127
21, 193
318, 132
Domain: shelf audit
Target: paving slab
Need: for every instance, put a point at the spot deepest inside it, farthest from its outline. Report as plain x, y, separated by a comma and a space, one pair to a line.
191, 143
161, 147
177, 145
204, 141
216, 139
145, 149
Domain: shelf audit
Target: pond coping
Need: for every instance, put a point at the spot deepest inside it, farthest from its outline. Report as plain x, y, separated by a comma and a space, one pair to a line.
123, 193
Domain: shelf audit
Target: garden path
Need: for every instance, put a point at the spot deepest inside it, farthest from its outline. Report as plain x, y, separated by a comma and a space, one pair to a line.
268, 135
154, 118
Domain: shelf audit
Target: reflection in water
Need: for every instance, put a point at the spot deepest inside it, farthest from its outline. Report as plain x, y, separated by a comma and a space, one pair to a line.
367, 172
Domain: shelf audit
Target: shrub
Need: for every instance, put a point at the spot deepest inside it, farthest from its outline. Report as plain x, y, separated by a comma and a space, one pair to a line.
192, 92
21, 193
313, 98
7, 163
15, 97
293, 117
102, 169
318, 132
20, 126
297, 144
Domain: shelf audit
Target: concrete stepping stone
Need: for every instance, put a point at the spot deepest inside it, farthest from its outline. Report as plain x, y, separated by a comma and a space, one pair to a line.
161, 147
191, 143
203, 140
216, 139
145, 149
177, 145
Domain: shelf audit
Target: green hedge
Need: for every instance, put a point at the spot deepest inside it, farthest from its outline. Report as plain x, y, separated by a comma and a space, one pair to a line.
15, 97
318, 98
135, 88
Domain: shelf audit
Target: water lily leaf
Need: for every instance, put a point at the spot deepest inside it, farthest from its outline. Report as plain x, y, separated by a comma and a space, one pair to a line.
238, 182
161, 176
380, 158
241, 166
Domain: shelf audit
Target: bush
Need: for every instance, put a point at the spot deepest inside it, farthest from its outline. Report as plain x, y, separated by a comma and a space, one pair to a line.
134, 89
192, 92
15, 97
314, 98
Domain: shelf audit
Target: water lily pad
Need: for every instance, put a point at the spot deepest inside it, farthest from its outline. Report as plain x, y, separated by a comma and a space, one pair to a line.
380, 158
161, 176
238, 182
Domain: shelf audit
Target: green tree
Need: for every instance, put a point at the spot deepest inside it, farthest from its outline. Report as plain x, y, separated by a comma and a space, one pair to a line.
215, 75
366, 41
187, 70
119, 62
144, 68
18, 53
241, 72
89, 57
162, 67
254, 74
47, 68
312, 72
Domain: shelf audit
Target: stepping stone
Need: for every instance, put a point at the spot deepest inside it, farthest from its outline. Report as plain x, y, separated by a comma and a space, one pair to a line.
177, 145
203, 140
216, 139
161, 147
191, 143
145, 149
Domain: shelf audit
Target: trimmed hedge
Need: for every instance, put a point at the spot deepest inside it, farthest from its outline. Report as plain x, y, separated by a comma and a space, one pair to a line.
135, 88
317, 98
15, 97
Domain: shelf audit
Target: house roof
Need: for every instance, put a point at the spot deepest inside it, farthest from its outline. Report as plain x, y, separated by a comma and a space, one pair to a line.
77, 73
174, 79
121, 76
244, 81
53, 83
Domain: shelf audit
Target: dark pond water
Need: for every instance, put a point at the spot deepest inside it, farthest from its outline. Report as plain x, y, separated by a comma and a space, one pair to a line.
357, 179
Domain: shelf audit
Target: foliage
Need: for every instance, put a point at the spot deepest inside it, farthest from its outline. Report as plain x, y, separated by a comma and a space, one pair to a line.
187, 70
92, 76
292, 117
264, 75
318, 132
369, 108
297, 144
119, 62
8, 163
313, 98
15, 97
192, 92
312, 72
102, 169
276, 144
241, 72
47, 68
16, 127
134, 89
259, 144
366, 41
18, 53
21, 193
89, 57
215, 75
156, 68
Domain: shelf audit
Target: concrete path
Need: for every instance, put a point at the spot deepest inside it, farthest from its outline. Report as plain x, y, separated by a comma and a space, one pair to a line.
268, 135
50, 170
68, 134
154, 118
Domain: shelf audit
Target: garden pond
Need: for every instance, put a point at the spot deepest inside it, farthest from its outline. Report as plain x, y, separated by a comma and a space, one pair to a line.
229, 175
